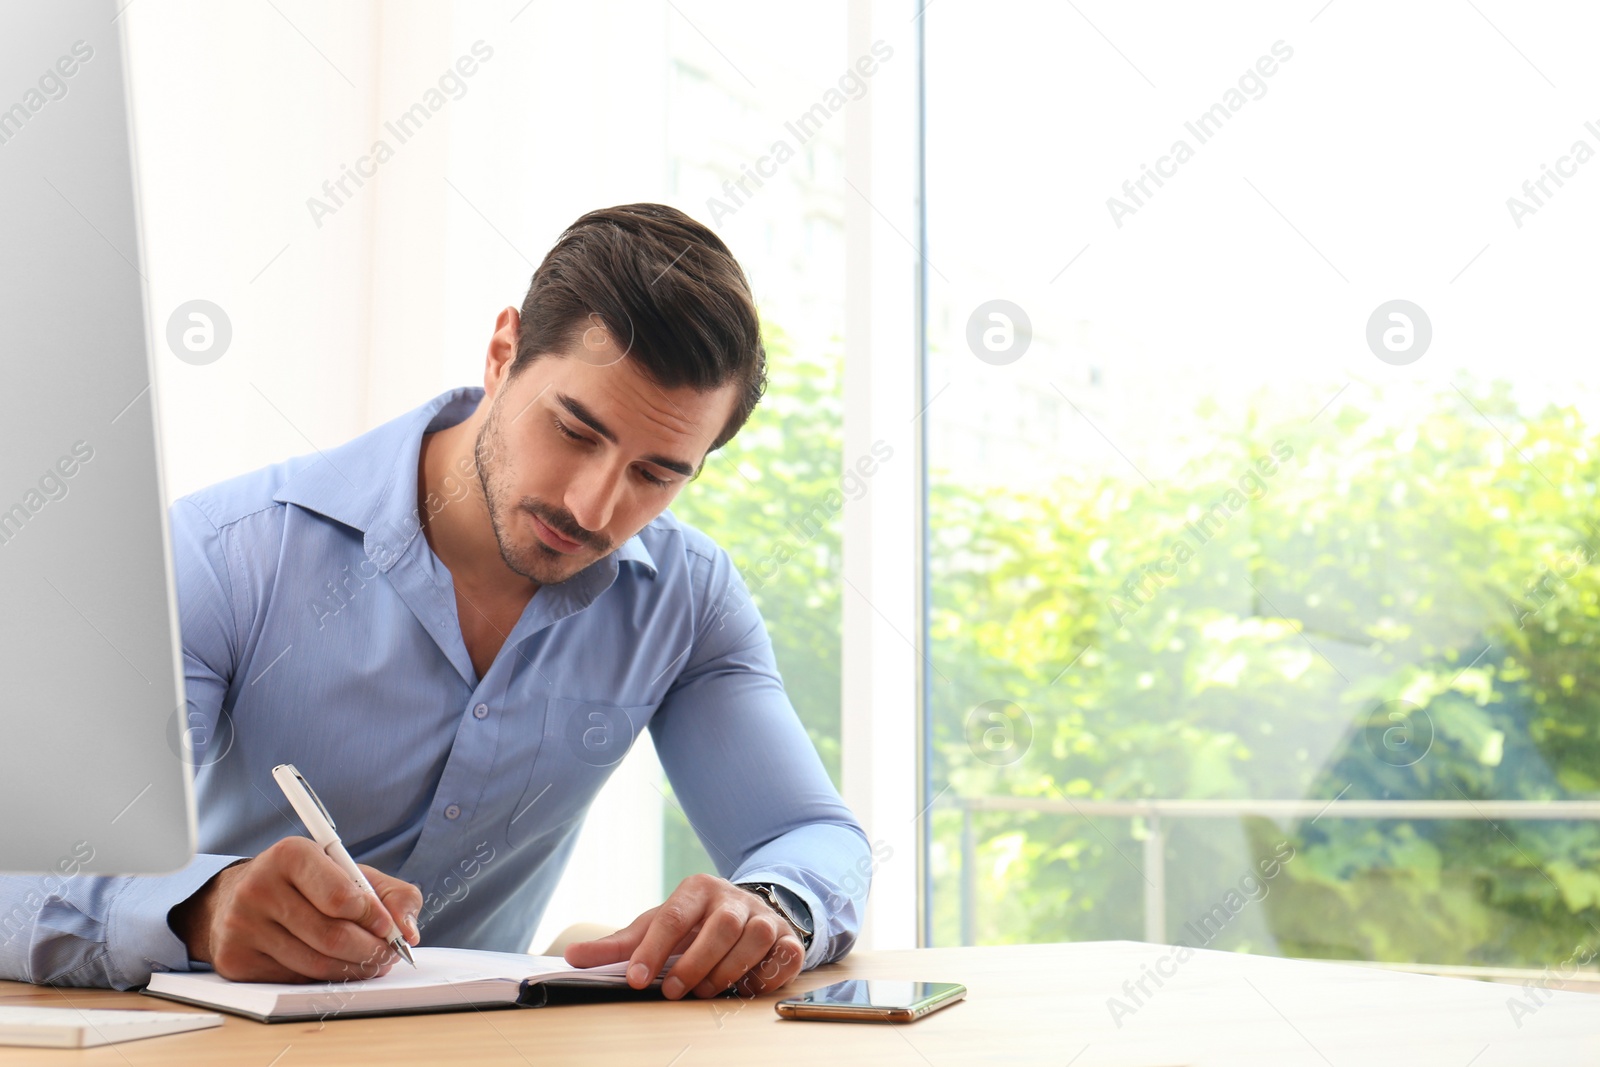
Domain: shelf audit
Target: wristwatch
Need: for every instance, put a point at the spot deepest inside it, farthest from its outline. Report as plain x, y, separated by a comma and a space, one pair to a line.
786, 903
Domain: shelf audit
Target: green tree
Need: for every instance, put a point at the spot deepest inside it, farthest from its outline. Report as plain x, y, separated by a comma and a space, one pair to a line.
1434, 572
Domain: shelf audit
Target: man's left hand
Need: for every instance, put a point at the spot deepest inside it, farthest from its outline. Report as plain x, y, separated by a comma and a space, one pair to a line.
727, 936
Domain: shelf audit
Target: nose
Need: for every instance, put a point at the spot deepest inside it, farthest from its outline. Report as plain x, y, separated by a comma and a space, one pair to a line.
592, 496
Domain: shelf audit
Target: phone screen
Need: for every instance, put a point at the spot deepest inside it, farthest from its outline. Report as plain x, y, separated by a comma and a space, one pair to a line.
877, 993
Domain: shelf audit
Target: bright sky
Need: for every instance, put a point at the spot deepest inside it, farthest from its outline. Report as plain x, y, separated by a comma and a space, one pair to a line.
1376, 166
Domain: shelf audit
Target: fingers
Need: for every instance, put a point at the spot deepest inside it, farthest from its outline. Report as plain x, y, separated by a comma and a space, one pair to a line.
290, 951
253, 966
329, 889
720, 930
613, 948
401, 898
757, 940
337, 940
778, 969
621, 945
673, 923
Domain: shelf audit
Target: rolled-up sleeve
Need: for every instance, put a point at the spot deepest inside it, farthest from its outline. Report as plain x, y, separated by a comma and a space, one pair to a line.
72, 929
748, 777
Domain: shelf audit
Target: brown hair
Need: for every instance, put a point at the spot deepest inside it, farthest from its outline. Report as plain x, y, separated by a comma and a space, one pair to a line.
667, 289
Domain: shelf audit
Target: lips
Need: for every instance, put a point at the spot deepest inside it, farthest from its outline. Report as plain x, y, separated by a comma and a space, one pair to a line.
553, 539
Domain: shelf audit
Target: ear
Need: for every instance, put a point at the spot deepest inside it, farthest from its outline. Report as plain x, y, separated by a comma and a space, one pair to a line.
502, 350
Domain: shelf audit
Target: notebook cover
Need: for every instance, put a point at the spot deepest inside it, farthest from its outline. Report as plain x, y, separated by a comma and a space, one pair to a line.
578, 991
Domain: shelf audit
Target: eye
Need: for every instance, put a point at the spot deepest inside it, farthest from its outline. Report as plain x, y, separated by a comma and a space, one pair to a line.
652, 479
568, 434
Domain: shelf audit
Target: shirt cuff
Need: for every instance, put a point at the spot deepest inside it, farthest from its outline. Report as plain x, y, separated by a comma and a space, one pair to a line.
138, 938
820, 941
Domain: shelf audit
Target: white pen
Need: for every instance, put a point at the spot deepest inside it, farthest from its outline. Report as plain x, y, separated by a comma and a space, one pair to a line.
315, 815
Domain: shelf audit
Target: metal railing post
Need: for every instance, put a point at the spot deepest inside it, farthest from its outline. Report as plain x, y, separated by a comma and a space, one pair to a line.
1155, 875
969, 877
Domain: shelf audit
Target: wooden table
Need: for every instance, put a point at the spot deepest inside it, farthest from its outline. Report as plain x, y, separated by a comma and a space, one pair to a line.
1044, 1004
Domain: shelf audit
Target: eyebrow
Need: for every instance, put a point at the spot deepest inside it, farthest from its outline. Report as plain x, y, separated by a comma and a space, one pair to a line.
587, 417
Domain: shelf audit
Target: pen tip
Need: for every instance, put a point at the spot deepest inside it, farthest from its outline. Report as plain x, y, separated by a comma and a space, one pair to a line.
404, 950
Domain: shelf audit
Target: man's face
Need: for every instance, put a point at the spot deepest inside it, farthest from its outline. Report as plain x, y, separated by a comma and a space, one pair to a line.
580, 451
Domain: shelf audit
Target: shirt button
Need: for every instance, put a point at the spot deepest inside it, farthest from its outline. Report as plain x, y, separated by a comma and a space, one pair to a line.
481, 711
453, 812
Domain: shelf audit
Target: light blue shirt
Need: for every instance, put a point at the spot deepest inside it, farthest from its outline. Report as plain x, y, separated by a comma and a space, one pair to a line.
319, 629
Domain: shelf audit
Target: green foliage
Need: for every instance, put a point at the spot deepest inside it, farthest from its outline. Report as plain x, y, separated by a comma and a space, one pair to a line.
1256, 646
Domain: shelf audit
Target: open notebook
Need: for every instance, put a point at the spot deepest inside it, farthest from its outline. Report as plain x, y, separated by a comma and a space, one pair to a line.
445, 979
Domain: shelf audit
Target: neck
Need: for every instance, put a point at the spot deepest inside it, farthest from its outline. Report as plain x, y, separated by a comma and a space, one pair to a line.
455, 514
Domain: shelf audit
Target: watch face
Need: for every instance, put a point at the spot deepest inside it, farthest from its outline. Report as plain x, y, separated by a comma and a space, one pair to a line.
793, 908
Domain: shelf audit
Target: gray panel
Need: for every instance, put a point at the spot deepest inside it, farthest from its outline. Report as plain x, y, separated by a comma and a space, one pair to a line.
90, 682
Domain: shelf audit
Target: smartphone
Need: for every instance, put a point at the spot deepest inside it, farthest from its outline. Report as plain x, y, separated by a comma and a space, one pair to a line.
865, 1000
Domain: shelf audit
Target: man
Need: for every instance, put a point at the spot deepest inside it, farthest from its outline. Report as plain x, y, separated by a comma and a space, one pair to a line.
455, 625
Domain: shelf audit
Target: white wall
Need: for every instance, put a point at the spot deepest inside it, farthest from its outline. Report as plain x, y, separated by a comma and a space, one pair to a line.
238, 120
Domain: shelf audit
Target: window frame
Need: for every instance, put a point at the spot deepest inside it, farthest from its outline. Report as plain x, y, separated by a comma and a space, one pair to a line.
884, 661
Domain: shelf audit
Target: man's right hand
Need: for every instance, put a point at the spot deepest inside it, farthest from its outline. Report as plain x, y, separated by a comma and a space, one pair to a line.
291, 915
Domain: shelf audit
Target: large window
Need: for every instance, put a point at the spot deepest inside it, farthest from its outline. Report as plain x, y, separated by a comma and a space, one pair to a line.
1263, 442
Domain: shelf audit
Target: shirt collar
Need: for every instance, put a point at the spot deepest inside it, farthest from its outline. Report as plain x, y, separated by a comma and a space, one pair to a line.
370, 483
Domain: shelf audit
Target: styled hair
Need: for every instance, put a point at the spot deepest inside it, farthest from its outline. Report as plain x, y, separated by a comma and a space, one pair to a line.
668, 291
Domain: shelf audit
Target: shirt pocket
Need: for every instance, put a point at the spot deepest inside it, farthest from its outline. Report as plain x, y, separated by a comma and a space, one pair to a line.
583, 742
